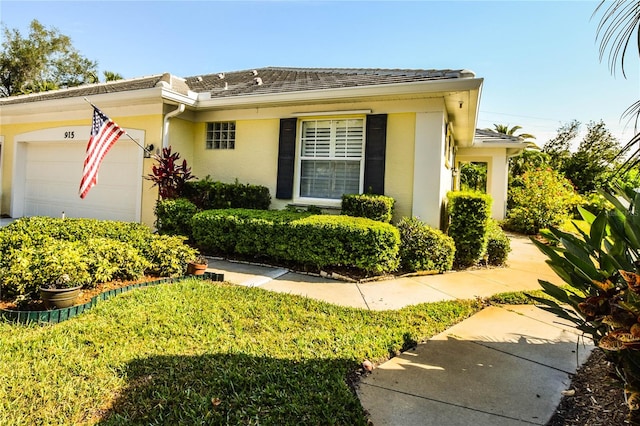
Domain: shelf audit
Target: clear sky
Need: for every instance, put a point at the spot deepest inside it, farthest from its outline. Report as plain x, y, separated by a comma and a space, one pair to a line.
539, 59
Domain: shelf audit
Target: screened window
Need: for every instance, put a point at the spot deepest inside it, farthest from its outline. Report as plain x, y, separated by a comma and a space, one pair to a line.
221, 135
331, 156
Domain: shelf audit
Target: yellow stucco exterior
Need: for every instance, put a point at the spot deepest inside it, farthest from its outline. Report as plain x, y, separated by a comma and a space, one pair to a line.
415, 174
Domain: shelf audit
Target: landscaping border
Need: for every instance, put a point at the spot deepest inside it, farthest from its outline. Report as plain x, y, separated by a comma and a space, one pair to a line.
58, 315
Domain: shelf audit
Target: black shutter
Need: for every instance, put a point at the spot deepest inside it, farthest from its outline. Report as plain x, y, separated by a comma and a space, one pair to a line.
286, 158
374, 154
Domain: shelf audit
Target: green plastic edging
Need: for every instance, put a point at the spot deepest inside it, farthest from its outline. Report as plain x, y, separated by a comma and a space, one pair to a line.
58, 315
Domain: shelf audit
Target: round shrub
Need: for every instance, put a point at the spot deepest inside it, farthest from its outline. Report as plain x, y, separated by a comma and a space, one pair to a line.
498, 245
423, 248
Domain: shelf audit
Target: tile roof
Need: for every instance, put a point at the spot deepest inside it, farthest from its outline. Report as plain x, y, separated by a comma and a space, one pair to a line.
491, 136
88, 90
259, 81
280, 79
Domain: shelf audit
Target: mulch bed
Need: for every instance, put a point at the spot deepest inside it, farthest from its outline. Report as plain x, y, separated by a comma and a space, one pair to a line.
598, 399
85, 296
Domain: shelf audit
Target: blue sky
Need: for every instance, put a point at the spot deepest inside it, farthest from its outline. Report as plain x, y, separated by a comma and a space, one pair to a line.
539, 59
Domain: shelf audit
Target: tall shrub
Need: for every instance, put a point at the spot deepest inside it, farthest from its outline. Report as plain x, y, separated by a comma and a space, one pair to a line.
469, 214
498, 245
539, 199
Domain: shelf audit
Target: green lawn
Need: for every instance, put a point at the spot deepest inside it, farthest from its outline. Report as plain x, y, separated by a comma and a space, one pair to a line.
204, 353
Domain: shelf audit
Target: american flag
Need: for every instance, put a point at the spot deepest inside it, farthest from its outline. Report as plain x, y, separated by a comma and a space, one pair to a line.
104, 133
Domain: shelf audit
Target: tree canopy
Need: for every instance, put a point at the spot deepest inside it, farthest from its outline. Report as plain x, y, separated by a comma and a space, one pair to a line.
44, 60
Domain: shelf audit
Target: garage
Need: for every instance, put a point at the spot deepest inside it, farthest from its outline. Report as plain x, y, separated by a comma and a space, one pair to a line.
50, 177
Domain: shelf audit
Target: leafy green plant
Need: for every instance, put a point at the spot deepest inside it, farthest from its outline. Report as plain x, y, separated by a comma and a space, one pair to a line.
310, 240
208, 194
469, 214
423, 248
371, 206
540, 199
37, 251
109, 259
600, 268
498, 245
173, 217
169, 174
169, 255
61, 264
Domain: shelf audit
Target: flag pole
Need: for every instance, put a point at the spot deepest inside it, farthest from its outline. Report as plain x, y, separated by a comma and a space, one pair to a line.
146, 151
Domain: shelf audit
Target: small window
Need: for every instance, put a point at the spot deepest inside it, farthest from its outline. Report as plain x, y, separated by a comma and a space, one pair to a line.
221, 135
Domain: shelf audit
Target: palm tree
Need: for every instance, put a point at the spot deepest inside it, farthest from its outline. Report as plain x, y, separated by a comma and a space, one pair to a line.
505, 130
112, 76
616, 29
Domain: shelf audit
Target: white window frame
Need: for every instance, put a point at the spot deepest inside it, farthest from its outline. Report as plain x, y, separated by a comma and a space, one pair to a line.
325, 202
213, 139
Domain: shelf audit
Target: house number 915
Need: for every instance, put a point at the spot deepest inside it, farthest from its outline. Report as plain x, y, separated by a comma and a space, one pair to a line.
69, 135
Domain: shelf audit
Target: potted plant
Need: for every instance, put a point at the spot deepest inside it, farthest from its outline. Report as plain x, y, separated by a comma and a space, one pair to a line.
197, 266
62, 293
59, 271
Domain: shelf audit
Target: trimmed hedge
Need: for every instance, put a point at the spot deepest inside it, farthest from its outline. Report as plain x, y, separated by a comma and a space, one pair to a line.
371, 206
207, 194
498, 245
34, 251
423, 248
173, 217
311, 240
469, 214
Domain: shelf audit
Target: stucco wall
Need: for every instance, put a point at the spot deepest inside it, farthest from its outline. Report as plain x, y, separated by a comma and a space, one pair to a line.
497, 175
150, 124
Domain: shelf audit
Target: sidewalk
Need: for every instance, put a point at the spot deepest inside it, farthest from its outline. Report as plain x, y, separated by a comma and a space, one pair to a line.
505, 365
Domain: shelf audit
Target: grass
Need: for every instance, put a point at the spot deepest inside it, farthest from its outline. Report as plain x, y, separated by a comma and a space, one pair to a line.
204, 353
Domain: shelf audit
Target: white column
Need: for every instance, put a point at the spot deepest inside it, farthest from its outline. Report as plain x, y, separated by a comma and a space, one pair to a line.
428, 167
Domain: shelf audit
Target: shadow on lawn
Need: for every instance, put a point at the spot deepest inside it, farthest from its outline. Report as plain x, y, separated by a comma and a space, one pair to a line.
235, 389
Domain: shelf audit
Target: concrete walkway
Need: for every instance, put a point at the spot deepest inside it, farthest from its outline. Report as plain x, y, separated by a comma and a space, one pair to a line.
506, 365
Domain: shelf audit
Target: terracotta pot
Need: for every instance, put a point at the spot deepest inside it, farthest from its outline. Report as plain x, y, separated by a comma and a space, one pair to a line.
196, 268
58, 298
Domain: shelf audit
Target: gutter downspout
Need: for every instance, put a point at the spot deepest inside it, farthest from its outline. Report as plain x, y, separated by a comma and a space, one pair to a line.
165, 127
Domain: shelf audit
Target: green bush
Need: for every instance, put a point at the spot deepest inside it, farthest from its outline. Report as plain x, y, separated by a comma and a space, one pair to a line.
540, 199
469, 214
371, 206
330, 240
168, 255
173, 217
228, 231
312, 240
108, 259
498, 245
207, 195
423, 248
37, 251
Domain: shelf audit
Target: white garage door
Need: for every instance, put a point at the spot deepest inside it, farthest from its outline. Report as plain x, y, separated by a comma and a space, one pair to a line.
52, 177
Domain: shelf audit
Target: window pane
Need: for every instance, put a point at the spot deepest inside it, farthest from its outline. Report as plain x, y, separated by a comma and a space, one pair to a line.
316, 138
220, 135
329, 179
